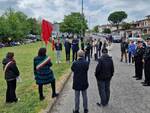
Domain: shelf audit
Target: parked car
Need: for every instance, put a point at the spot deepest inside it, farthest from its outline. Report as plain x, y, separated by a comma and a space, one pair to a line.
1, 45
14, 43
27, 41
116, 38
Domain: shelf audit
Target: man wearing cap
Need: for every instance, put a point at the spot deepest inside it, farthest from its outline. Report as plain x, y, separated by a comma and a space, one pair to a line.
80, 81
104, 73
139, 60
147, 64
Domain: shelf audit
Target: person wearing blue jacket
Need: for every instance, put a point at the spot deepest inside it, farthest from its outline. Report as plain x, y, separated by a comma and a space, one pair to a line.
131, 51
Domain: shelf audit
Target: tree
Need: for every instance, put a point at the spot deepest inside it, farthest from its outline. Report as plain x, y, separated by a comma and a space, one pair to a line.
126, 26
16, 25
74, 23
34, 26
117, 17
96, 29
107, 31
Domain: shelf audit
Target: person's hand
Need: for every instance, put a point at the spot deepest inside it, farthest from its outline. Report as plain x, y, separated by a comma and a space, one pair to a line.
143, 61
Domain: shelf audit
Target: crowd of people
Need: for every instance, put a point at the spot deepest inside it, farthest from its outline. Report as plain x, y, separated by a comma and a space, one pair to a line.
138, 54
133, 53
42, 66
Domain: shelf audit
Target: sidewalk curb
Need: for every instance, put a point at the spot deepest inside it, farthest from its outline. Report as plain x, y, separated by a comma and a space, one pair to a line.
60, 84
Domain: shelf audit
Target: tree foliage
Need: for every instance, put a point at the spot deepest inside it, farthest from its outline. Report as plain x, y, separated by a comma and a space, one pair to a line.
96, 29
117, 17
126, 26
74, 23
107, 31
16, 25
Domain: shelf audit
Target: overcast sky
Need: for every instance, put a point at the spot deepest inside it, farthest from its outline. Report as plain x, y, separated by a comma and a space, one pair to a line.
96, 11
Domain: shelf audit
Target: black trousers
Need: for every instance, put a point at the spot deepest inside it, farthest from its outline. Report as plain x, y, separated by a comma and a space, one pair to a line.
147, 72
11, 91
74, 56
67, 55
41, 89
91, 52
138, 68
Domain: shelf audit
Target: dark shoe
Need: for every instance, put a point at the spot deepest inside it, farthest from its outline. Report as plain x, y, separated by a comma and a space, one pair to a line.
101, 105
17, 99
42, 98
138, 78
9, 102
134, 77
55, 95
86, 111
146, 84
143, 83
75, 111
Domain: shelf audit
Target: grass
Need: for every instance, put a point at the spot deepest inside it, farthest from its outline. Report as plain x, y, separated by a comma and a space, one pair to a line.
27, 89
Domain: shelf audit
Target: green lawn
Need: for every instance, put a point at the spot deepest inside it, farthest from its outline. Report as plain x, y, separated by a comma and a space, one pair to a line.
27, 90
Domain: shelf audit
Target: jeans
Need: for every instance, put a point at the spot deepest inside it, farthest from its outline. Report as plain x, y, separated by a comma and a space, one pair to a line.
87, 57
11, 91
122, 55
130, 57
58, 56
77, 100
104, 91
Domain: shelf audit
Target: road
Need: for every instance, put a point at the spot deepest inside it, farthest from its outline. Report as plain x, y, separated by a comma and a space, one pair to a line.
127, 94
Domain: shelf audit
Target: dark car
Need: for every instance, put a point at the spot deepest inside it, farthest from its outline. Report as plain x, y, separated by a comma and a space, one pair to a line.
1, 45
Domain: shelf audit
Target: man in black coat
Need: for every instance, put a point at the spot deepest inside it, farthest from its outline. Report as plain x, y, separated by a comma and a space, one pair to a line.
87, 52
124, 48
67, 49
80, 81
104, 73
147, 64
138, 57
75, 48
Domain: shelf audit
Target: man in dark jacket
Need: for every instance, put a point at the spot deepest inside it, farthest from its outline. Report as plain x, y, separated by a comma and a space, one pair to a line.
80, 81
124, 48
67, 49
11, 74
138, 57
87, 52
75, 48
147, 64
104, 73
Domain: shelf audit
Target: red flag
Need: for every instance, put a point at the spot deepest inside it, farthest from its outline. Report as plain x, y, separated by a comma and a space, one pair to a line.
47, 29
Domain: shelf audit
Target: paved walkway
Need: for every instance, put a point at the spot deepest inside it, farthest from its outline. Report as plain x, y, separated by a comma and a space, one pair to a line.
127, 94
